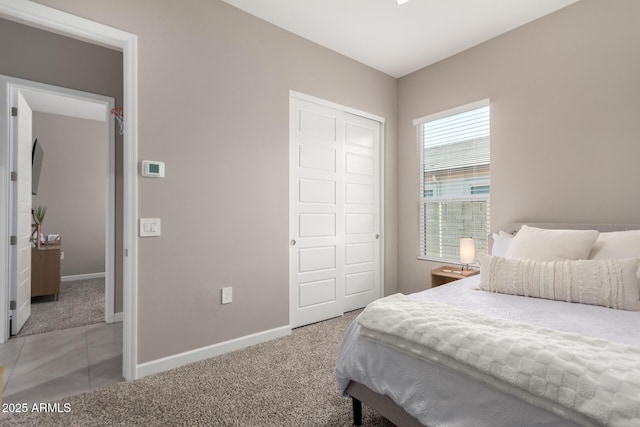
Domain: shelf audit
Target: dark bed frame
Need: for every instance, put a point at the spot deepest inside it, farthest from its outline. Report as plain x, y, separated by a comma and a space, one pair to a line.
382, 405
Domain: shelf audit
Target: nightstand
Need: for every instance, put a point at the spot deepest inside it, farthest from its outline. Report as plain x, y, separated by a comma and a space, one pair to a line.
46, 270
447, 273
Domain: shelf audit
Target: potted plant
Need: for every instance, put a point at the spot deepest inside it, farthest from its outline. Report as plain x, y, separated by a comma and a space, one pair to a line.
38, 216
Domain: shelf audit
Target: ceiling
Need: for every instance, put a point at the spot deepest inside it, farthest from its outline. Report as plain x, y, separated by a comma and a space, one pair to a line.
63, 105
399, 39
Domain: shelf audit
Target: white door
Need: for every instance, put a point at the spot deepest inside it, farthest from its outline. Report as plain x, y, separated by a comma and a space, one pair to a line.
334, 211
21, 280
361, 211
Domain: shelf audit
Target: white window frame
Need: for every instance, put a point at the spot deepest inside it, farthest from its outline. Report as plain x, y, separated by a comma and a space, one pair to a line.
421, 199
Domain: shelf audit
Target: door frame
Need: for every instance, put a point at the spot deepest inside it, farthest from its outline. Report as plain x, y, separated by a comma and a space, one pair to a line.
53, 20
376, 118
19, 85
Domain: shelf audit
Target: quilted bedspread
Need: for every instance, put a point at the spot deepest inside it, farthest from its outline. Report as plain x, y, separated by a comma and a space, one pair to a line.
596, 381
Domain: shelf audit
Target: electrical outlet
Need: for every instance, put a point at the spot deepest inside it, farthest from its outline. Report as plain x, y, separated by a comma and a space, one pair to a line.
227, 295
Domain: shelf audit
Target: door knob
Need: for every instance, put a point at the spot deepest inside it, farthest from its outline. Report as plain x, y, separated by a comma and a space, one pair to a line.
293, 242
377, 236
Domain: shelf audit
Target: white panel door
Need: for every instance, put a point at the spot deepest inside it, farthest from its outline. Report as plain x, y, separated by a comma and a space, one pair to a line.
21, 282
362, 211
334, 212
317, 279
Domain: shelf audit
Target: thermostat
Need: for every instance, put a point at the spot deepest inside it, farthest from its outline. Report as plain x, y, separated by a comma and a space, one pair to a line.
152, 169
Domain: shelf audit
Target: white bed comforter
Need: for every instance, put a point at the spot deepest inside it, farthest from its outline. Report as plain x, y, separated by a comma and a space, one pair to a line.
593, 377
440, 396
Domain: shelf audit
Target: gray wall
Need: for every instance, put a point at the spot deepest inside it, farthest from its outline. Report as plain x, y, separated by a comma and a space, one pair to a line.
72, 186
564, 121
214, 88
41, 56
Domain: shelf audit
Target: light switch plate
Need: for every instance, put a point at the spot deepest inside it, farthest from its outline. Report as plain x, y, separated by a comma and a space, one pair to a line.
149, 227
227, 295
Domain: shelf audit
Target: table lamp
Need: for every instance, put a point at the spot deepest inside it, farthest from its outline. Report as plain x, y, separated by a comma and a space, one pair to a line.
467, 251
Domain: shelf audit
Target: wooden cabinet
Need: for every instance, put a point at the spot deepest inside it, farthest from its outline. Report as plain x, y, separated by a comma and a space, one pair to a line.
447, 273
45, 271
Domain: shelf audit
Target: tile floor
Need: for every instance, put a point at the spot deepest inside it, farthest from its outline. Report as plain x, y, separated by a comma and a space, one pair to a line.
48, 367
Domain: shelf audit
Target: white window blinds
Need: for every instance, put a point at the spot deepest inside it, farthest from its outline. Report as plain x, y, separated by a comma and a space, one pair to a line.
454, 179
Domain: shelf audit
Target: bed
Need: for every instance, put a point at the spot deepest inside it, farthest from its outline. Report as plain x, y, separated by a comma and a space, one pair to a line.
413, 385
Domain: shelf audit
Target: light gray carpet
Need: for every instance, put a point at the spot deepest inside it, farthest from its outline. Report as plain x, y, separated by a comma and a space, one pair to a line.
81, 302
286, 382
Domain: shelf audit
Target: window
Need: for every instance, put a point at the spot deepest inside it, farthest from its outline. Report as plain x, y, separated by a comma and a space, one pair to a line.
480, 189
454, 181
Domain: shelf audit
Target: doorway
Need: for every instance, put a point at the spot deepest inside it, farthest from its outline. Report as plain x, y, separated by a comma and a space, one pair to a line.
336, 261
85, 108
53, 20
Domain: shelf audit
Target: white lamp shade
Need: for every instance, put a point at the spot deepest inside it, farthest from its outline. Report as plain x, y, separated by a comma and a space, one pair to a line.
467, 250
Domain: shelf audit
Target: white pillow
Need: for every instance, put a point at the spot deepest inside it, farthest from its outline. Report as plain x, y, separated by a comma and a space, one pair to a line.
617, 245
501, 242
608, 283
540, 244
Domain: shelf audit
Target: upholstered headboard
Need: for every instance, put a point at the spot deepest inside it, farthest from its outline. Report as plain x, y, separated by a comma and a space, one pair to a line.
573, 226
513, 227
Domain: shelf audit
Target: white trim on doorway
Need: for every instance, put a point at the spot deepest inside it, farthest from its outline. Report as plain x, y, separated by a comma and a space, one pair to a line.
59, 100
5, 164
50, 19
324, 102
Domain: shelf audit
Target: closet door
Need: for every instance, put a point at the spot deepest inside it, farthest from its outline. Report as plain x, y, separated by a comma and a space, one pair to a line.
334, 212
361, 175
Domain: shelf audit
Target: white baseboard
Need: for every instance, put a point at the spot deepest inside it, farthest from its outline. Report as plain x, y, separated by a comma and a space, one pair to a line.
82, 277
170, 362
118, 317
